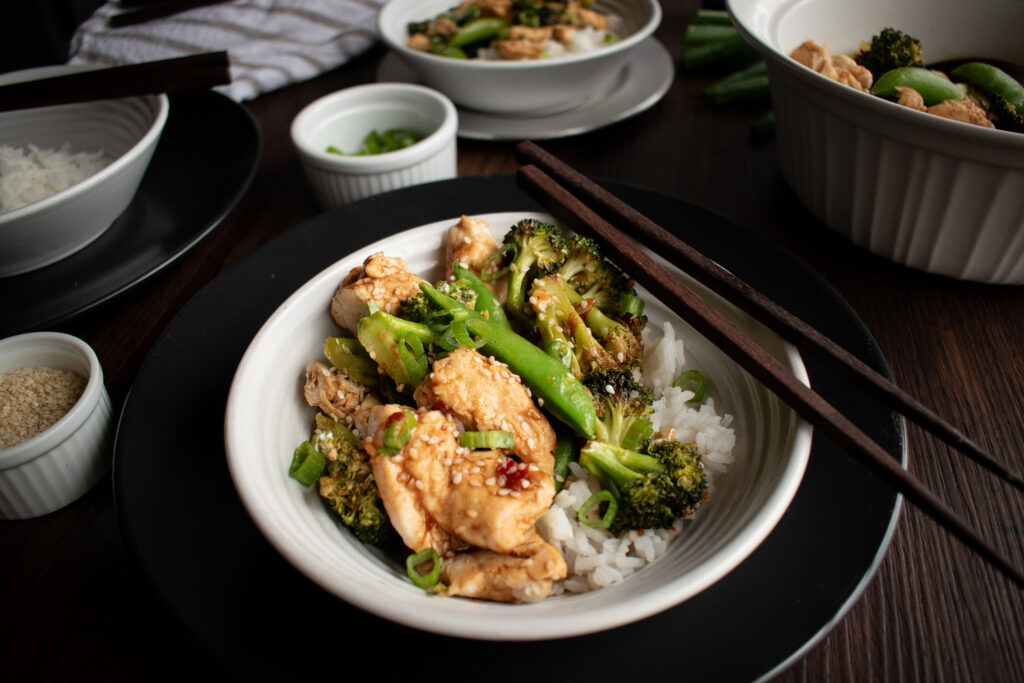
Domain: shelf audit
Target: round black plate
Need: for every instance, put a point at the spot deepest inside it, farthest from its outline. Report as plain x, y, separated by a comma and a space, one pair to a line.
204, 162
183, 519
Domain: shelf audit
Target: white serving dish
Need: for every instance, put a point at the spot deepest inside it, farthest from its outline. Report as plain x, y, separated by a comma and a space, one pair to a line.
266, 418
57, 466
523, 87
344, 118
936, 195
53, 228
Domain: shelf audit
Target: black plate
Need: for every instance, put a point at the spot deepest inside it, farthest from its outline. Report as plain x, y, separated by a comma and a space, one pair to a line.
204, 162
186, 525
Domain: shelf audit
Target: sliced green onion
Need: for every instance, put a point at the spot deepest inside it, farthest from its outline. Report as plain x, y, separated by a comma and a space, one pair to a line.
694, 377
602, 496
490, 439
459, 333
413, 357
307, 464
412, 563
398, 430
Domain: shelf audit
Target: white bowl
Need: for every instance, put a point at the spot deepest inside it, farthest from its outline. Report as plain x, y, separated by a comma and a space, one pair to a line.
53, 228
344, 118
266, 418
937, 195
57, 466
522, 87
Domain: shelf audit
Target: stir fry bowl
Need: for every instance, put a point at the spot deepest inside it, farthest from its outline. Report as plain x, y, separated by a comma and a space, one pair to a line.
930, 193
266, 418
521, 87
55, 227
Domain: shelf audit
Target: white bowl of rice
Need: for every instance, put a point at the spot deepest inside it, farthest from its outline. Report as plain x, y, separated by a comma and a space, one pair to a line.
55, 423
68, 171
527, 87
754, 449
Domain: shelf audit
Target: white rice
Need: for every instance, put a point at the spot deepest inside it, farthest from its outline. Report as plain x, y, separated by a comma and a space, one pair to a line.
30, 174
595, 557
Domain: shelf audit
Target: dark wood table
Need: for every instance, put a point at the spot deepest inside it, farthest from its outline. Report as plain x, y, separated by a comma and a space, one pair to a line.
74, 606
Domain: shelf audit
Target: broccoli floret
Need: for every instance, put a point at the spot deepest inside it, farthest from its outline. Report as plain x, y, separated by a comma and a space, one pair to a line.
890, 49
622, 339
562, 330
649, 492
683, 463
418, 308
531, 249
348, 486
401, 348
1004, 115
623, 405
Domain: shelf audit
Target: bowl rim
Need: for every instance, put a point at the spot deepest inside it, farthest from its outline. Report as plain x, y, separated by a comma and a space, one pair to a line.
115, 167
389, 39
984, 145
478, 621
50, 438
377, 94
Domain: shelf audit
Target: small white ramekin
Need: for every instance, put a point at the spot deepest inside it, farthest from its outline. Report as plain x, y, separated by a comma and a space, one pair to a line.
57, 466
344, 118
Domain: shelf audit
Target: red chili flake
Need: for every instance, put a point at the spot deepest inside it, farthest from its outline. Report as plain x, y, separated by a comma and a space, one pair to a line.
511, 471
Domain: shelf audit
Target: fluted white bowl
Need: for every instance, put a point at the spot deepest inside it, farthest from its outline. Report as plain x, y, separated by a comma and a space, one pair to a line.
266, 419
57, 226
344, 118
60, 464
936, 195
522, 87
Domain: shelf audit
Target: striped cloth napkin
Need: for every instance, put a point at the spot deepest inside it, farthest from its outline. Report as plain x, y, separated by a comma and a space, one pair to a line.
270, 43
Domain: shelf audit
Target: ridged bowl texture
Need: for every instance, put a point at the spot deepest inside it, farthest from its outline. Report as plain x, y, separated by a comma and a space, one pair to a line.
59, 465
530, 87
53, 228
267, 418
940, 196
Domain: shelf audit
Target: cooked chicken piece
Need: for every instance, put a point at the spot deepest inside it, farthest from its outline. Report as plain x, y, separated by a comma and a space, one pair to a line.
588, 17
420, 41
483, 394
519, 49
504, 578
534, 34
384, 280
337, 395
563, 33
399, 492
493, 8
484, 498
840, 68
966, 110
471, 243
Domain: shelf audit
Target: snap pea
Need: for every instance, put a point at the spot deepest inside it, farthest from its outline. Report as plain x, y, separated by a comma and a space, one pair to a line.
933, 86
566, 451
990, 80
477, 30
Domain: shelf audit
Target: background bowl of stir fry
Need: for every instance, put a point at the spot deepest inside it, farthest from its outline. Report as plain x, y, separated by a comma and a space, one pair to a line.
901, 125
524, 58
268, 416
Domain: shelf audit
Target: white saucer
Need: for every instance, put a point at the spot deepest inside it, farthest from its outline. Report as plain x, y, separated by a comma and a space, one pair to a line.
642, 82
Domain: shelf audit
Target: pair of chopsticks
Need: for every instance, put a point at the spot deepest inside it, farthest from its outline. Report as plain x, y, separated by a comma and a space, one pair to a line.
568, 195
196, 71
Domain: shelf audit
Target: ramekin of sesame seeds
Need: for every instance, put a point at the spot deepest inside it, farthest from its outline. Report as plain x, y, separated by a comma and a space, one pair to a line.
55, 423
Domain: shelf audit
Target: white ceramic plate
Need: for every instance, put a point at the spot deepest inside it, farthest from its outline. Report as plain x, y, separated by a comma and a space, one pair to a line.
267, 418
641, 84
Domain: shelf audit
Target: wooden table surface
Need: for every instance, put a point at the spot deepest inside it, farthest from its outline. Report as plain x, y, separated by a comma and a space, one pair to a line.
75, 607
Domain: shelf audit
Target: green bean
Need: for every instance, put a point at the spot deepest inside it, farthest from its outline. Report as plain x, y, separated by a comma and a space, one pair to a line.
990, 80
698, 34
711, 16
477, 30
933, 86
566, 451
717, 51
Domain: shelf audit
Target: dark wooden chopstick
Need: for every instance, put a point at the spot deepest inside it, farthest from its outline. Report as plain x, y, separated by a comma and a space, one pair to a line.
757, 305
569, 209
197, 71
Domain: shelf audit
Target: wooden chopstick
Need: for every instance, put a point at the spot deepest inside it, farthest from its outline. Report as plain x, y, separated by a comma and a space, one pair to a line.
567, 208
757, 305
202, 70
